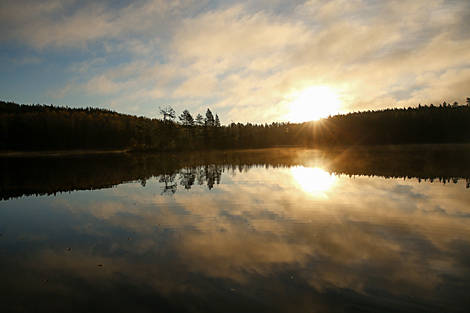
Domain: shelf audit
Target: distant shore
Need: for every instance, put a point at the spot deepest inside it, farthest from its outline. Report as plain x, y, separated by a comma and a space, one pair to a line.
388, 147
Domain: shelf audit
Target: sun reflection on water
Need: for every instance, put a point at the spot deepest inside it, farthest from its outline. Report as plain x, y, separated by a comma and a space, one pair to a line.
313, 180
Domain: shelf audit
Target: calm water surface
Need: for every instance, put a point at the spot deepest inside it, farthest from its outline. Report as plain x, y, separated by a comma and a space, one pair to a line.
253, 231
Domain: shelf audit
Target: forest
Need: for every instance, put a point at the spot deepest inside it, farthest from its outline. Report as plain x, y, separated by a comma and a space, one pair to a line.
47, 127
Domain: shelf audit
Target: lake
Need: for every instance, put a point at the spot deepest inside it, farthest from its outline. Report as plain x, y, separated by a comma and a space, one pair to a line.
384, 229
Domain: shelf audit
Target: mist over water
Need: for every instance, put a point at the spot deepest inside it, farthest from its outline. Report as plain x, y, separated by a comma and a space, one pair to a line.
275, 230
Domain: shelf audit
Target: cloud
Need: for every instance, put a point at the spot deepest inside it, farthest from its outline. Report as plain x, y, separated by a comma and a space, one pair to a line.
329, 11
367, 59
249, 60
232, 34
73, 24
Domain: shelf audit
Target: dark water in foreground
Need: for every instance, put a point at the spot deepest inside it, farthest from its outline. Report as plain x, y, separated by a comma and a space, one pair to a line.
371, 230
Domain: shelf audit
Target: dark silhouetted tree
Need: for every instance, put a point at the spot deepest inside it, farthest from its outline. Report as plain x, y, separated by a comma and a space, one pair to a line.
186, 118
169, 135
209, 120
199, 120
168, 113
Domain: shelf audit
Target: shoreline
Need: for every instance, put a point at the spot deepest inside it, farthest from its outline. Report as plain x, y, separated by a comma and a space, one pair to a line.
384, 147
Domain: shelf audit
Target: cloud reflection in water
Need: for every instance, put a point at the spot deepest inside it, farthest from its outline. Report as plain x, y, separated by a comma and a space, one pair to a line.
370, 244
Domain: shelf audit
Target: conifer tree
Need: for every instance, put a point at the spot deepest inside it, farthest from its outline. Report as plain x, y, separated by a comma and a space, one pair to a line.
209, 121
199, 120
186, 118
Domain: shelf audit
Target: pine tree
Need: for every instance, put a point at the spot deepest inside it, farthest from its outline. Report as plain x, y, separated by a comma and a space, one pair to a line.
209, 121
199, 120
186, 118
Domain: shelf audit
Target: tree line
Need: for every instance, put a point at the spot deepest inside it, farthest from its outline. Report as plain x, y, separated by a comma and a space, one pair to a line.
48, 127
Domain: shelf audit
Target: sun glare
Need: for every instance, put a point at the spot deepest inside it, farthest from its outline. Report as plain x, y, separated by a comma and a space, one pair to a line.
313, 103
312, 180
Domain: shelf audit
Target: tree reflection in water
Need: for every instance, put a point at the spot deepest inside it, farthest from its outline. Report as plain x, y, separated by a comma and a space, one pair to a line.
38, 176
238, 221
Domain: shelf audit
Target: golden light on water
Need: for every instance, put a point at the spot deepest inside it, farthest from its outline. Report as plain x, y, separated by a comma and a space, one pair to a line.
313, 103
312, 180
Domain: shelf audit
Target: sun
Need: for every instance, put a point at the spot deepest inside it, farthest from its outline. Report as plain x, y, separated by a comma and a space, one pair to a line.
312, 104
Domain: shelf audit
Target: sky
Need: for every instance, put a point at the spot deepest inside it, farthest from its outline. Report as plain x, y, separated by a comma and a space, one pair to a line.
248, 61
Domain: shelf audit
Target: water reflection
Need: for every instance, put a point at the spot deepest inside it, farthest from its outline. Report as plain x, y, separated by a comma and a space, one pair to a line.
46, 176
313, 180
241, 236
